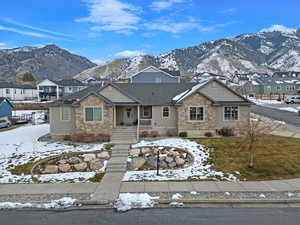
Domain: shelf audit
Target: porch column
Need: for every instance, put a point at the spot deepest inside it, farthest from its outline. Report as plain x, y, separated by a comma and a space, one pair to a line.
138, 123
38, 93
115, 117
57, 92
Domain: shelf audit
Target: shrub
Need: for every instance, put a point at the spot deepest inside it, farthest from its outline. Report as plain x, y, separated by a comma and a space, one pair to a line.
208, 134
226, 132
171, 133
154, 133
183, 134
144, 134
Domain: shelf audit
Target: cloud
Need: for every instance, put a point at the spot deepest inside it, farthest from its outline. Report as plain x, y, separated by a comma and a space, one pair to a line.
278, 27
98, 61
2, 45
164, 4
111, 15
13, 22
229, 11
130, 53
29, 33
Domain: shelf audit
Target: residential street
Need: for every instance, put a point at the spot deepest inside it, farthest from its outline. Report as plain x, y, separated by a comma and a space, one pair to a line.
190, 216
281, 115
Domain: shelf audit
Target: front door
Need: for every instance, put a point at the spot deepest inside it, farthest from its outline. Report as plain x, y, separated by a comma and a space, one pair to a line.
129, 116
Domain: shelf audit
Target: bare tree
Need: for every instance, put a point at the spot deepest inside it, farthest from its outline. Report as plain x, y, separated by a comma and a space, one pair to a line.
253, 133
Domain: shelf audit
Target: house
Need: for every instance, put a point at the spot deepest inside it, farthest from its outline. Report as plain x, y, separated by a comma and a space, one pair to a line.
272, 85
164, 108
243, 78
291, 74
18, 92
96, 80
5, 109
199, 77
154, 75
51, 90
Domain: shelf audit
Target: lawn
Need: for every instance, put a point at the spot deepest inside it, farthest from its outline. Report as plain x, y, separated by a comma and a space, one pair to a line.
277, 158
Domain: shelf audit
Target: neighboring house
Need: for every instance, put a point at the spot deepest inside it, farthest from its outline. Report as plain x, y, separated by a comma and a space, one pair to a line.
5, 109
95, 80
200, 77
154, 75
271, 85
18, 92
165, 108
242, 79
291, 74
51, 90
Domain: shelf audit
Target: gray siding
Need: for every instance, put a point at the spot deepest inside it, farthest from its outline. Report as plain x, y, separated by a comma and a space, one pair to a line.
159, 121
115, 95
59, 127
154, 77
219, 93
244, 114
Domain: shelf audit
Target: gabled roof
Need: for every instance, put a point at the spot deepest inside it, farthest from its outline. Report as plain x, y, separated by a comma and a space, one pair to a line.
65, 82
2, 100
15, 85
157, 70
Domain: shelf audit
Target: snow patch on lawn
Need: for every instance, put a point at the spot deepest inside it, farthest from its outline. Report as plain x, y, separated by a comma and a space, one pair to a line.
127, 201
258, 101
290, 109
199, 169
54, 204
21, 145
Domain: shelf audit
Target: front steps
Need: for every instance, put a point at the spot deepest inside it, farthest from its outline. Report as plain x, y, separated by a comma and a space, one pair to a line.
124, 135
118, 160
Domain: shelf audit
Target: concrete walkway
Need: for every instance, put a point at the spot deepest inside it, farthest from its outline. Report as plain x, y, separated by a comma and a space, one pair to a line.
109, 188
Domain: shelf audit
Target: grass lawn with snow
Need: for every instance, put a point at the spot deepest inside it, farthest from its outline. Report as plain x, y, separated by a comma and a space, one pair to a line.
277, 158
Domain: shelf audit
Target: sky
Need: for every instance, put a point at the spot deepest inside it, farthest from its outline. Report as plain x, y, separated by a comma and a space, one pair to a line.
102, 30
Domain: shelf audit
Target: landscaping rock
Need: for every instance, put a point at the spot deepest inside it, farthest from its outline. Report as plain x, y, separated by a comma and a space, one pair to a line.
96, 164
146, 150
179, 161
74, 160
163, 164
51, 169
104, 155
138, 163
64, 167
169, 159
172, 164
88, 157
135, 152
80, 166
151, 161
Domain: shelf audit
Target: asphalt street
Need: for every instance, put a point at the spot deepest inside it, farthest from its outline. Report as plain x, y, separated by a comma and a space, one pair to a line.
276, 114
175, 216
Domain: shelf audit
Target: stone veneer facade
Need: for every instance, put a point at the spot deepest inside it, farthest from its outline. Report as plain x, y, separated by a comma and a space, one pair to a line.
103, 127
196, 128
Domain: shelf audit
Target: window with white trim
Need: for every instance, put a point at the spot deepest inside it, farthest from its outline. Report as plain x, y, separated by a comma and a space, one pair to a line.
65, 113
7, 91
165, 111
147, 112
196, 113
93, 114
231, 113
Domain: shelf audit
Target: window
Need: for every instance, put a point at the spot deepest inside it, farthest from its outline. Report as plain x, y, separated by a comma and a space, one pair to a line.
65, 113
93, 114
196, 113
147, 112
15, 90
165, 112
7, 91
231, 113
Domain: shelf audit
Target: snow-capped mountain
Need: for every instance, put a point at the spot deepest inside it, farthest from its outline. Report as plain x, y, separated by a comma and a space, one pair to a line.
48, 61
263, 52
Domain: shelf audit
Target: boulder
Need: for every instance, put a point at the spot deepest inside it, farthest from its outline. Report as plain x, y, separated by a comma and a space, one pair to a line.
51, 169
63, 167
184, 155
62, 161
96, 164
88, 157
74, 160
163, 164
135, 152
151, 161
172, 164
138, 163
146, 150
104, 155
179, 161
80, 166
169, 159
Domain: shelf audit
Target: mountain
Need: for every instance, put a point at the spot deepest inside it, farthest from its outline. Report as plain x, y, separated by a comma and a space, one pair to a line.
48, 61
263, 52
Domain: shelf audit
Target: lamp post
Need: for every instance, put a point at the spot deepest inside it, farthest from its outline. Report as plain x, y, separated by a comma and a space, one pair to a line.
157, 163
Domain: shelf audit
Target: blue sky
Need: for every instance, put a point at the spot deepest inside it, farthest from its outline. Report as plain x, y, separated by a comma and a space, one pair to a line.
105, 29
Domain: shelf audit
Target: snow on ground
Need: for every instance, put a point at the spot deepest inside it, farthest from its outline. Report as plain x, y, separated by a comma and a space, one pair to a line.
54, 204
258, 101
200, 169
127, 201
21, 145
290, 109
